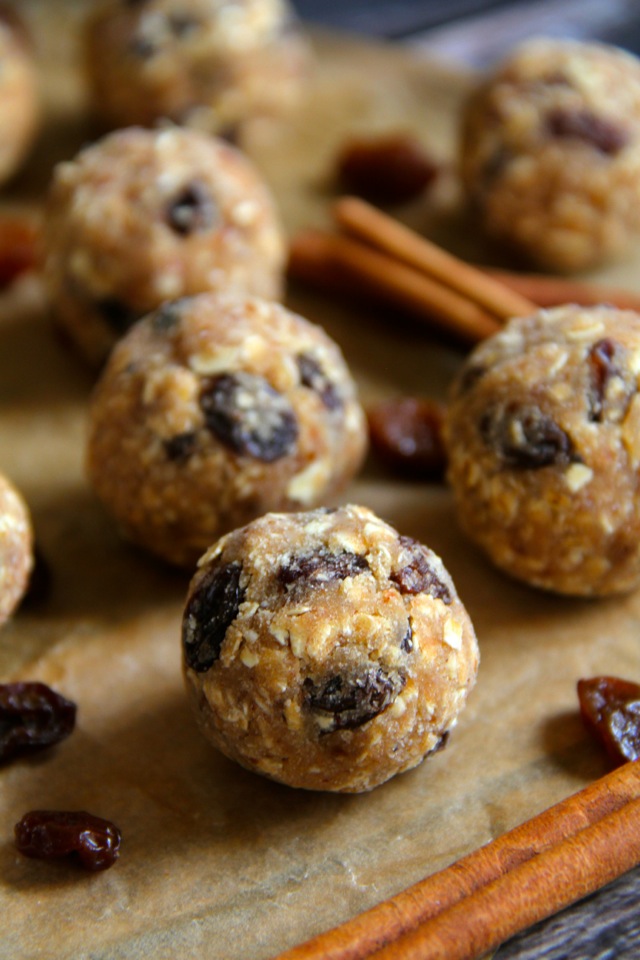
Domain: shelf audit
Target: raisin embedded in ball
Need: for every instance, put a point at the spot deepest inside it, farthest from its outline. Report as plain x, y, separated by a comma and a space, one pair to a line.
248, 415
315, 569
211, 611
606, 363
598, 132
345, 703
418, 576
180, 447
192, 211
524, 437
313, 376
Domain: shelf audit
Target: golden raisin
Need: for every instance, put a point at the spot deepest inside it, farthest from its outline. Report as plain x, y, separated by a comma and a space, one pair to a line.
387, 169
406, 434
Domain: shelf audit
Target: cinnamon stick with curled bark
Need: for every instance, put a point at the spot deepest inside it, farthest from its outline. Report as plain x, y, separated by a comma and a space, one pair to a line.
346, 265
534, 870
549, 291
362, 220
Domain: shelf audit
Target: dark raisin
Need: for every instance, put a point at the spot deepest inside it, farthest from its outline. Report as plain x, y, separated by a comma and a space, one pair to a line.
210, 612
181, 447
193, 210
604, 135
321, 567
313, 376
606, 362
407, 641
349, 702
248, 415
524, 437
418, 576
610, 709
52, 834
406, 434
167, 317
118, 315
32, 717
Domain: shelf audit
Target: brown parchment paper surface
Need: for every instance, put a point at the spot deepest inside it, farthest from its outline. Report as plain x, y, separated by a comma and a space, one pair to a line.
216, 862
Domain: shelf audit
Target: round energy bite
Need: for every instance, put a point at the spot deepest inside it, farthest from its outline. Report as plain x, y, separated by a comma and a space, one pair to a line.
208, 63
550, 152
543, 440
324, 650
214, 410
16, 548
19, 95
147, 216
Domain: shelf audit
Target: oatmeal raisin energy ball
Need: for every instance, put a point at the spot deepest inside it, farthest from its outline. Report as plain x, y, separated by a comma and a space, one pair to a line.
213, 64
550, 152
16, 548
146, 216
543, 440
324, 650
214, 410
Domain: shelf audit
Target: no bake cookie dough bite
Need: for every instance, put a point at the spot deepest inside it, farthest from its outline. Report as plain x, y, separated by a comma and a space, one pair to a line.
19, 95
214, 410
147, 216
543, 441
550, 152
324, 650
213, 64
16, 548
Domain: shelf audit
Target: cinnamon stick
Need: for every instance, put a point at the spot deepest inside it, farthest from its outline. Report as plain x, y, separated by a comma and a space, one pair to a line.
343, 263
549, 291
360, 219
532, 871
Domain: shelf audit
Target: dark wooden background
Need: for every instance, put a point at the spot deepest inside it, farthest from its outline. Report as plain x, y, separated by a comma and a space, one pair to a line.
605, 926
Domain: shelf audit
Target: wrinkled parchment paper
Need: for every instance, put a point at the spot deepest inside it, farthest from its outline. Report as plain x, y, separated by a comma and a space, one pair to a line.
216, 862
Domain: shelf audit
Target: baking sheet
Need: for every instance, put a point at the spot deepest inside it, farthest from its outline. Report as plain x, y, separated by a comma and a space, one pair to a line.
216, 862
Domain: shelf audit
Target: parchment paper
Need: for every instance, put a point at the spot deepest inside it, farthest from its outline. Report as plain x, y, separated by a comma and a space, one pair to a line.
216, 862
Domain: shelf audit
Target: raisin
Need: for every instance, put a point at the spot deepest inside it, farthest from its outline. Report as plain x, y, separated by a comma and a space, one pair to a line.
605, 136
418, 576
605, 362
313, 376
248, 415
210, 612
181, 447
321, 567
352, 701
118, 315
524, 437
387, 169
18, 248
406, 644
610, 709
406, 434
52, 834
167, 317
192, 211
32, 717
